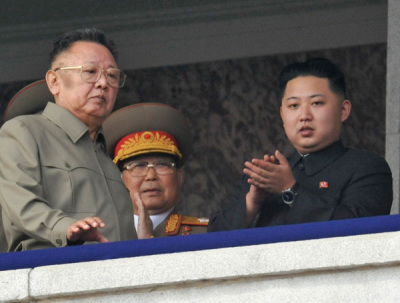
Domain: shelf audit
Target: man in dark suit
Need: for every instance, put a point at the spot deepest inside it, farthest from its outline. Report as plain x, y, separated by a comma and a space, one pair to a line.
322, 180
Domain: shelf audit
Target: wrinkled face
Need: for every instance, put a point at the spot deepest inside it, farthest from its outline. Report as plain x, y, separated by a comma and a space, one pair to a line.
159, 193
90, 102
312, 114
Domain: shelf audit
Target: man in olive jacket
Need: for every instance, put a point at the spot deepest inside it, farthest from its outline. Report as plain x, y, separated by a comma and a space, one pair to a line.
58, 186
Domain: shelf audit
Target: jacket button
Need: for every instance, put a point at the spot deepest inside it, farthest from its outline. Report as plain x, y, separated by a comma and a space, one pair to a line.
59, 242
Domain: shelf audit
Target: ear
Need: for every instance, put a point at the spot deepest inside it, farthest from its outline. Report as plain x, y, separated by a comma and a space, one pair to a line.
345, 109
124, 178
52, 82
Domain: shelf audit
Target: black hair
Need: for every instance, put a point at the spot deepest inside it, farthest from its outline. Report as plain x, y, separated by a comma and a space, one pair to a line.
317, 67
85, 34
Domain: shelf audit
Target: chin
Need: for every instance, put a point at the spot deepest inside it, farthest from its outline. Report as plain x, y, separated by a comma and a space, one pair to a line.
155, 210
306, 149
153, 204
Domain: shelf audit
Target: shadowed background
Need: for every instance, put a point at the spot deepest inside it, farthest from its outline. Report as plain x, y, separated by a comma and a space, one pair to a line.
233, 109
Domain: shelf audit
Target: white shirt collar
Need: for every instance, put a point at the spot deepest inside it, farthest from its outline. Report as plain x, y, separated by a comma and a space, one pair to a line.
156, 219
303, 156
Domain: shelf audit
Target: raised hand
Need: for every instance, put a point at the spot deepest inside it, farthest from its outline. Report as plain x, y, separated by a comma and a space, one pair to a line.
145, 225
268, 175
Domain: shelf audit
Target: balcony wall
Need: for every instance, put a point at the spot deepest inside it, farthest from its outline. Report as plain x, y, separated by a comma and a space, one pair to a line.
354, 260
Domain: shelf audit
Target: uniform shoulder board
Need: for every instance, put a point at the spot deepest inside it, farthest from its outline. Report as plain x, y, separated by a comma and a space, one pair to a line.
194, 221
175, 221
173, 225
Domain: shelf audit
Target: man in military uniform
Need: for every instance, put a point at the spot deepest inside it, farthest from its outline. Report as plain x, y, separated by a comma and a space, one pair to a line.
150, 143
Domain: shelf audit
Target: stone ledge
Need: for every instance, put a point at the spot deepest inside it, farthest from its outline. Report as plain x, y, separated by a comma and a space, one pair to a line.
14, 285
287, 261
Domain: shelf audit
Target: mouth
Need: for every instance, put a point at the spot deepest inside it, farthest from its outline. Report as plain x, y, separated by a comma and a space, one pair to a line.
99, 98
306, 131
152, 190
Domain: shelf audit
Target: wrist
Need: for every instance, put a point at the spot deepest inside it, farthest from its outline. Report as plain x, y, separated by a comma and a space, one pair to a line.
289, 194
252, 208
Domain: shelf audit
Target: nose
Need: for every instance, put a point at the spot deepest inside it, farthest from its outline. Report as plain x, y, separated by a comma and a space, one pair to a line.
305, 113
151, 173
102, 81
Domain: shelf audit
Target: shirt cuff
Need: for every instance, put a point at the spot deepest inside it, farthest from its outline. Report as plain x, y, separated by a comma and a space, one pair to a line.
59, 232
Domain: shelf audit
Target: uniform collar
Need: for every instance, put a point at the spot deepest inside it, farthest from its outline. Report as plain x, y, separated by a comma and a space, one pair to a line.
314, 162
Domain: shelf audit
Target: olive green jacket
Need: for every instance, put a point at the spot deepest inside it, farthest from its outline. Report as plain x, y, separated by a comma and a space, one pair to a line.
51, 175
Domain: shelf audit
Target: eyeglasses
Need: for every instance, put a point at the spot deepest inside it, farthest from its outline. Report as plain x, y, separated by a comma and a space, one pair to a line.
92, 72
140, 169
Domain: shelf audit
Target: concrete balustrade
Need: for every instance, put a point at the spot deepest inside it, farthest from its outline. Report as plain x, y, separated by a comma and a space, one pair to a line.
363, 268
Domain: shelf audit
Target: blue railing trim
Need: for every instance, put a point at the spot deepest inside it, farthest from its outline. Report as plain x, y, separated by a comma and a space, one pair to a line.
245, 237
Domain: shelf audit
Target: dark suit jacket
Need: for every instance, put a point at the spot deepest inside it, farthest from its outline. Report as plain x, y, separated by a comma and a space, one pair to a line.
334, 183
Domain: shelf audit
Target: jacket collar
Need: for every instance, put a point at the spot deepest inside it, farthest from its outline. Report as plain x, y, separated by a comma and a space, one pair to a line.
314, 162
72, 126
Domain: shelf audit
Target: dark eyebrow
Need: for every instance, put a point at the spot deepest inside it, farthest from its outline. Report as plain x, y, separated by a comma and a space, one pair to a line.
291, 98
312, 96
317, 95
